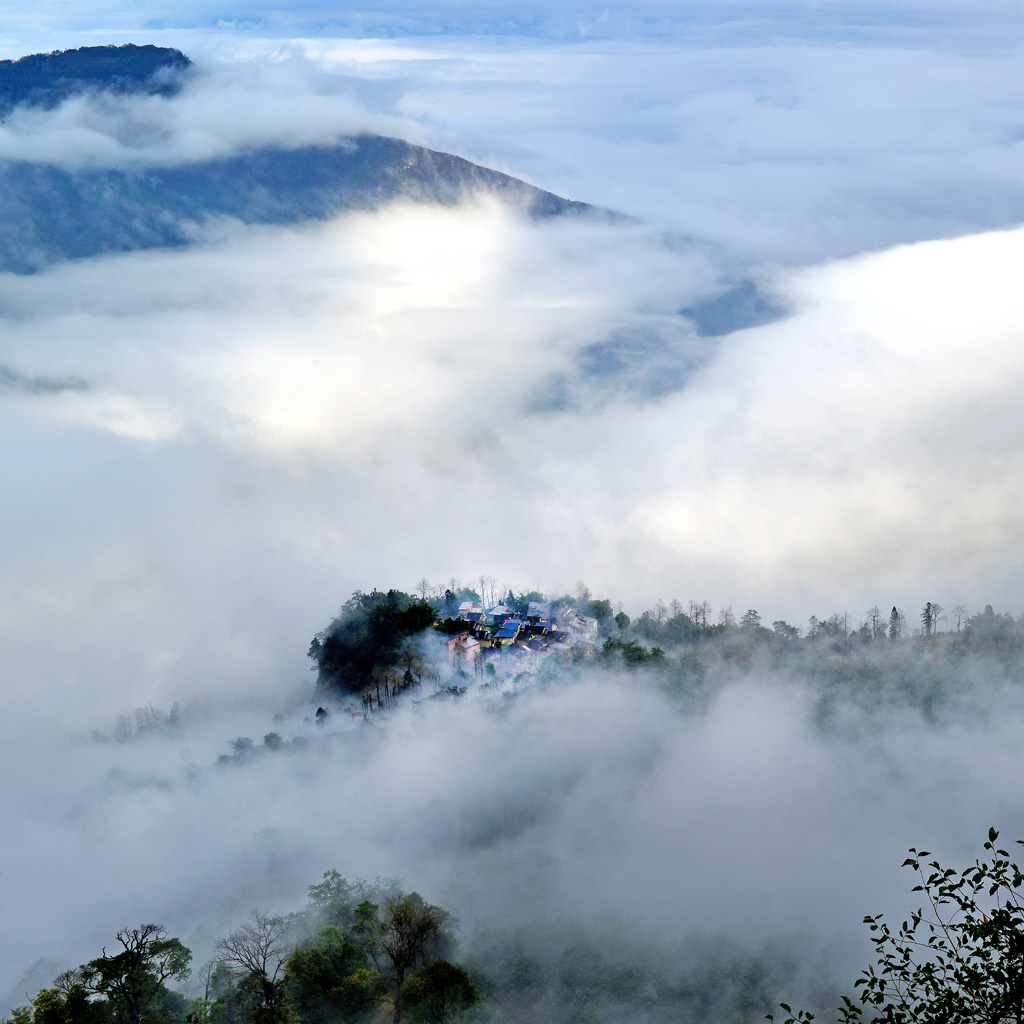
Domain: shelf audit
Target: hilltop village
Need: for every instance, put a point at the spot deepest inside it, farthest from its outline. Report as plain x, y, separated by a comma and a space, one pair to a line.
382, 643
446, 640
502, 630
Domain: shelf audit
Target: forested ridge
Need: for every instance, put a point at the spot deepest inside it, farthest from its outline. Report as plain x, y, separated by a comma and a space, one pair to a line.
58, 209
383, 643
47, 79
371, 952
361, 953
357, 952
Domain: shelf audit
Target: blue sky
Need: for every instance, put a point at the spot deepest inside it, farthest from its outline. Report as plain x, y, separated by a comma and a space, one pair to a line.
811, 18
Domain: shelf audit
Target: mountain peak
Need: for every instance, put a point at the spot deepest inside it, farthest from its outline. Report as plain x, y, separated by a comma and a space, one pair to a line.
46, 79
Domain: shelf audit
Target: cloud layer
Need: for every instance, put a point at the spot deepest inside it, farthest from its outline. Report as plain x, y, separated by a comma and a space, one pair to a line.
209, 449
595, 801
414, 391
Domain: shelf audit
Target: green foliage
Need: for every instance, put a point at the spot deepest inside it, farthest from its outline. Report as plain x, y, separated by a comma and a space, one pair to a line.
408, 933
370, 633
360, 993
333, 898
957, 960
67, 1002
993, 634
439, 992
236, 998
452, 627
46, 79
132, 979
680, 629
783, 632
327, 979
199, 1011
360, 941
48, 1007
631, 653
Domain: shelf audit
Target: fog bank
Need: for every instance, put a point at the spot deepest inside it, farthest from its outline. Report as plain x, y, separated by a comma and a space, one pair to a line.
595, 801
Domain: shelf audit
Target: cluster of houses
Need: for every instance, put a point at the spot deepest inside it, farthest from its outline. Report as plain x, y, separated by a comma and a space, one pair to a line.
502, 630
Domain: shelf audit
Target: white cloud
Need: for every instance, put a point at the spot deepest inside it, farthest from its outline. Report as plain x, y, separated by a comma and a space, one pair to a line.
249, 429
407, 392
594, 799
224, 108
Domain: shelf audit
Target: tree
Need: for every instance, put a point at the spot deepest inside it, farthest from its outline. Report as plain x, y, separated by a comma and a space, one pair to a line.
751, 620
959, 613
328, 980
874, 615
656, 615
927, 619
958, 960
895, 624
784, 631
132, 980
993, 633
411, 932
258, 950
439, 992
332, 900
703, 611
370, 632
68, 1002
48, 1007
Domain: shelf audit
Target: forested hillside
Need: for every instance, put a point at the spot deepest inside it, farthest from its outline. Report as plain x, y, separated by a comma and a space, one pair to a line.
47, 79
383, 643
57, 208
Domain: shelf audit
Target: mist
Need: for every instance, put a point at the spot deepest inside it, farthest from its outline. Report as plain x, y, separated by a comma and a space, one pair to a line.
208, 449
591, 798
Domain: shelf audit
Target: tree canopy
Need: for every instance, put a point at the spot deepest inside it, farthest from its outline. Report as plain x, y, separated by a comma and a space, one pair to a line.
369, 632
45, 79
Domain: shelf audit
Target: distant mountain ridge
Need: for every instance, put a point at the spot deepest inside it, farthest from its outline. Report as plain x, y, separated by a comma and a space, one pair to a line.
49, 213
47, 79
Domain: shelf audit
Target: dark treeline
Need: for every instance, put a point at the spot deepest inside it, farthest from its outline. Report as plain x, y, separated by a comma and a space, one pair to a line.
358, 952
371, 632
375, 646
881, 662
46, 79
361, 953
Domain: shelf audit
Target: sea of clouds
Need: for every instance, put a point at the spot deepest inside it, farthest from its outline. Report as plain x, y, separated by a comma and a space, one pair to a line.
208, 449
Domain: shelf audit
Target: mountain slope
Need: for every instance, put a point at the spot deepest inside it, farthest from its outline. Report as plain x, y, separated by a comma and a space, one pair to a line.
49, 213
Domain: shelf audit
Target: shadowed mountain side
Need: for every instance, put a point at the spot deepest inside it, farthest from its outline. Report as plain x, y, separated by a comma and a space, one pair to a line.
47, 79
48, 214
